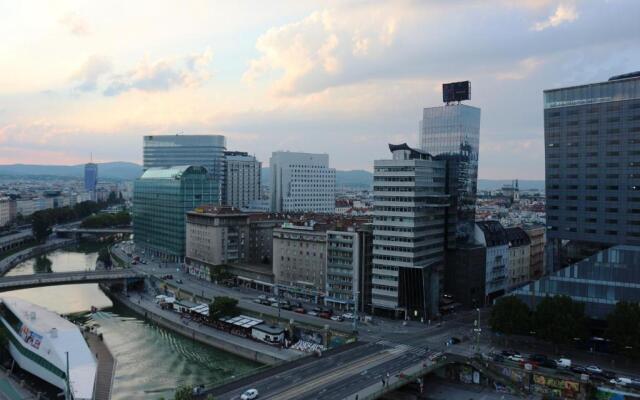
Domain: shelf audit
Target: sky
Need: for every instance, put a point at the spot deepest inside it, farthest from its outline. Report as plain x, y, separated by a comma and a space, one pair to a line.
81, 78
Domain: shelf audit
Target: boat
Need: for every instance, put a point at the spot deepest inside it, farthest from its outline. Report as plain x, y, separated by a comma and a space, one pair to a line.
49, 347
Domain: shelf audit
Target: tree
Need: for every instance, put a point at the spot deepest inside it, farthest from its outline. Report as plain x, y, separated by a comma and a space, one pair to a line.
510, 316
559, 319
623, 328
42, 265
104, 257
40, 225
223, 306
183, 392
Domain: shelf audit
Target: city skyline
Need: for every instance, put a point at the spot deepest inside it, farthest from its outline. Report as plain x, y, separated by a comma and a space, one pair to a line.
356, 78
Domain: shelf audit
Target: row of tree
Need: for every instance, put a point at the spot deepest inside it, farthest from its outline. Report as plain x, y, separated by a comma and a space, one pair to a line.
43, 220
559, 320
105, 220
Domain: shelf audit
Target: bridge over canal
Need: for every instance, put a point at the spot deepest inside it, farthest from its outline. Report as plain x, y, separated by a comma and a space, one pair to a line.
76, 232
65, 278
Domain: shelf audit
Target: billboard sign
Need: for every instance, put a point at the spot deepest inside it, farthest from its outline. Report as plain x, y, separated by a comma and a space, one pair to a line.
456, 91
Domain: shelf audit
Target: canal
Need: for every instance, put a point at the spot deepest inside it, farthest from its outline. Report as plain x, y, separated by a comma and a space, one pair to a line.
151, 361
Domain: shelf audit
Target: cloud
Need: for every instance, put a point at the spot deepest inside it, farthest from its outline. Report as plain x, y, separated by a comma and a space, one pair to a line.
89, 74
523, 69
75, 24
564, 13
163, 75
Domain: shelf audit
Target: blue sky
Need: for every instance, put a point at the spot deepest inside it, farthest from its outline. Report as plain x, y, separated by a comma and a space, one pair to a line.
340, 77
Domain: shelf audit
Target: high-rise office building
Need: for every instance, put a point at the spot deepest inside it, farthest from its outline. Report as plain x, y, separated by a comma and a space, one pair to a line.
91, 179
452, 133
241, 179
592, 161
409, 220
164, 151
302, 182
161, 199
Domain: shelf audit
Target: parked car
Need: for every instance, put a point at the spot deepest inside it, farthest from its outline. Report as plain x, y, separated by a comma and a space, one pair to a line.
299, 310
549, 363
608, 375
324, 315
272, 300
259, 301
262, 297
594, 369
336, 318
312, 313
516, 358
508, 353
249, 395
578, 369
265, 302
276, 305
564, 363
285, 306
498, 357
179, 281
348, 316
621, 381
537, 358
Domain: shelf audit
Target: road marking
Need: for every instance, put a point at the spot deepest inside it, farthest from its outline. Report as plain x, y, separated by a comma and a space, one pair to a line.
338, 373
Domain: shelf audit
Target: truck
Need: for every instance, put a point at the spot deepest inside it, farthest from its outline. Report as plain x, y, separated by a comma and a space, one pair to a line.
564, 363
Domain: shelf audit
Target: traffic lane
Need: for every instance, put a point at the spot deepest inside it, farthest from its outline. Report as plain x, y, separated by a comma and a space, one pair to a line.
285, 380
348, 386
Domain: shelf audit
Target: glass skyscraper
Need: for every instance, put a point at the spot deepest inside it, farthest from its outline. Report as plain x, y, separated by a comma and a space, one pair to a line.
452, 133
161, 199
198, 150
91, 179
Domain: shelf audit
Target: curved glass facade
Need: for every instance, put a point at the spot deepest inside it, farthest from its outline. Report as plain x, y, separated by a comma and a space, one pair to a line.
161, 199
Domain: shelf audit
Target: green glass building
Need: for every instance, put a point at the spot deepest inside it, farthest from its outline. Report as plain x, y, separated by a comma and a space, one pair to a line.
161, 199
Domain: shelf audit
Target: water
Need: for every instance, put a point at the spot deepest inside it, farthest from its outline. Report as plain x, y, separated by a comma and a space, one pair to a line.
151, 361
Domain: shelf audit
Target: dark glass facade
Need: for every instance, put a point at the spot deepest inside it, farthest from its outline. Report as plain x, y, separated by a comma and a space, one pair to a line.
161, 199
599, 281
90, 177
452, 133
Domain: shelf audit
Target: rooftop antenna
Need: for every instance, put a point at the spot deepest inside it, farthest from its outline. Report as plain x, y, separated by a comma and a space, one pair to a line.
91, 157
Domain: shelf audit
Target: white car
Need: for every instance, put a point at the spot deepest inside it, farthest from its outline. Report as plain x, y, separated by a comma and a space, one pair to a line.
312, 313
272, 300
516, 358
336, 318
249, 395
594, 369
621, 381
348, 316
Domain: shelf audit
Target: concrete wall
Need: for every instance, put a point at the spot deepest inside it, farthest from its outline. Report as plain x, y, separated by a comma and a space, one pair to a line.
241, 351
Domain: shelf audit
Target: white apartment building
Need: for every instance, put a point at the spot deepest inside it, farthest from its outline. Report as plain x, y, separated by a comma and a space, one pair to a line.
302, 182
241, 179
408, 233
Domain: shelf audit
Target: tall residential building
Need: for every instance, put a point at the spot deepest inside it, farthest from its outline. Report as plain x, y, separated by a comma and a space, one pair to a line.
302, 182
6, 210
161, 199
519, 265
91, 179
493, 237
452, 133
167, 151
348, 260
592, 161
241, 179
537, 236
300, 262
408, 233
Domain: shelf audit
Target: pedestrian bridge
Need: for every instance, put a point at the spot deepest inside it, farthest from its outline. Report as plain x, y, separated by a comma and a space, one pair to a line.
65, 278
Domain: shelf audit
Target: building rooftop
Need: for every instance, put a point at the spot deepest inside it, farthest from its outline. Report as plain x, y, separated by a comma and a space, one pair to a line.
494, 233
215, 210
517, 237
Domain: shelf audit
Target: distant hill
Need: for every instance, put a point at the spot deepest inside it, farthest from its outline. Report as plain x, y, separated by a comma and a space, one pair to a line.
109, 170
359, 178
494, 184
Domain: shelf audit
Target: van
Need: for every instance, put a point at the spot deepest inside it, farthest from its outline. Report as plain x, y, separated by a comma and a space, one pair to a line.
564, 363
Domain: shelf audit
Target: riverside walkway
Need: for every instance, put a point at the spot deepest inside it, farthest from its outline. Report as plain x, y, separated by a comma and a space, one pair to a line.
106, 366
243, 347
